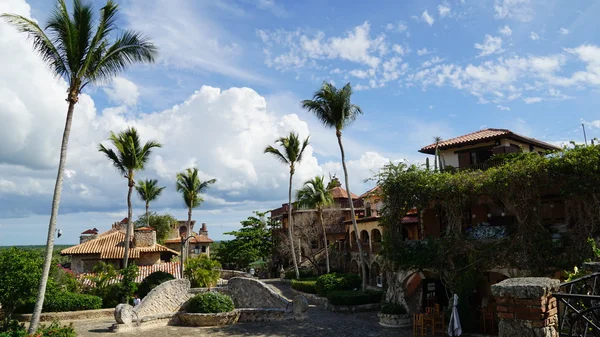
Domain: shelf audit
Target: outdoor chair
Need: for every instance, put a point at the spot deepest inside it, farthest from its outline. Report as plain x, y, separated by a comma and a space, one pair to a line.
488, 319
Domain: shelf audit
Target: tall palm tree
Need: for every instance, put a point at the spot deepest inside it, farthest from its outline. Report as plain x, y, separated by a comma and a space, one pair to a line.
131, 156
81, 53
437, 140
190, 187
148, 191
293, 149
314, 194
335, 110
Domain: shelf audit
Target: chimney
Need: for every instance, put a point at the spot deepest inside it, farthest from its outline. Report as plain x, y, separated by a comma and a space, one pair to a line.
203, 230
144, 237
88, 235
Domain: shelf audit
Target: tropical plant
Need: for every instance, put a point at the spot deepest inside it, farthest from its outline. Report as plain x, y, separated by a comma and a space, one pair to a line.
81, 53
334, 108
210, 302
315, 195
131, 156
202, 271
293, 149
190, 187
254, 241
148, 191
161, 223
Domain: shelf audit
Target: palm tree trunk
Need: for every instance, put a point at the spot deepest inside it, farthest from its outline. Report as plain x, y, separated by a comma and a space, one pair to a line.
184, 249
147, 217
360, 250
37, 311
290, 226
324, 240
128, 230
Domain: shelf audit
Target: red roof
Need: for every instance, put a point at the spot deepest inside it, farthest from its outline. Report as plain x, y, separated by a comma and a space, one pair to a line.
90, 231
483, 136
410, 220
374, 190
340, 193
144, 229
199, 238
143, 272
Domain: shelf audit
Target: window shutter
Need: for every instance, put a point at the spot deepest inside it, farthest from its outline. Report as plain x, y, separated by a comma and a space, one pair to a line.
464, 159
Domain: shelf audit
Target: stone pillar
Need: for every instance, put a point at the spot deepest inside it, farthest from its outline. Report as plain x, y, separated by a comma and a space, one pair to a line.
526, 307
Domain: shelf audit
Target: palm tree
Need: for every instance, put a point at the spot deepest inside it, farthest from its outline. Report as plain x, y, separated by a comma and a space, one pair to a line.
437, 140
293, 149
80, 53
190, 187
129, 158
148, 191
335, 110
314, 194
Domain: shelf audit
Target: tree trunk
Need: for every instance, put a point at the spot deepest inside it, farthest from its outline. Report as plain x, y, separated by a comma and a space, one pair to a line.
324, 240
147, 216
131, 183
37, 311
360, 250
184, 242
181, 259
290, 225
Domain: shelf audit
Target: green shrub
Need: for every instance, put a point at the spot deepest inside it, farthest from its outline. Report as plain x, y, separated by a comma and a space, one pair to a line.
64, 301
210, 302
111, 295
354, 297
304, 286
393, 309
152, 281
54, 330
202, 271
337, 282
304, 273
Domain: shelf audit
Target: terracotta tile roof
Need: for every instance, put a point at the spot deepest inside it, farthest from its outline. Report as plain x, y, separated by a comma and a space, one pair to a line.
485, 135
410, 220
374, 190
143, 272
199, 238
90, 231
144, 229
339, 193
110, 246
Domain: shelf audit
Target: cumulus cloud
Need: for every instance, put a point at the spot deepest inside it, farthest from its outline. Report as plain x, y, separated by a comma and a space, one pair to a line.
506, 31
422, 52
122, 91
427, 18
563, 31
490, 45
519, 10
443, 10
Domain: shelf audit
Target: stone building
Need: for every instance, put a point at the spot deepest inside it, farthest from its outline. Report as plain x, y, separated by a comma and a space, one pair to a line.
198, 244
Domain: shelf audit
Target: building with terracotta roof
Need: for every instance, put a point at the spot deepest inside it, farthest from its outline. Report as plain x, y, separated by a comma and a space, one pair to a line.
198, 244
109, 247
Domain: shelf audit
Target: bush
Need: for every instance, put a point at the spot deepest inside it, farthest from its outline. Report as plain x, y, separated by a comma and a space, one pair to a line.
54, 329
337, 282
64, 301
393, 309
202, 271
304, 273
304, 286
210, 302
152, 281
354, 297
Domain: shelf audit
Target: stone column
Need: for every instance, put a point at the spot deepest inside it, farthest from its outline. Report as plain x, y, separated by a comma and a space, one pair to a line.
526, 307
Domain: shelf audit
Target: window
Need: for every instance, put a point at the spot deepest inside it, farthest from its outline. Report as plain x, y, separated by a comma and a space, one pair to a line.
204, 249
368, 209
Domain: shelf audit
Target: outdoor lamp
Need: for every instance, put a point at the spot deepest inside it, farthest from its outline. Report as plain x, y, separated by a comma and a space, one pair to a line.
197, 250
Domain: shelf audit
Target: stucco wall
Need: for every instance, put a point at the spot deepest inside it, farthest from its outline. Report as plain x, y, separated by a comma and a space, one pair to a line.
148, 259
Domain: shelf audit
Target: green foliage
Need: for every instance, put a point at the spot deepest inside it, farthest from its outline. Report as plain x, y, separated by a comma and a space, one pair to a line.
304, 274
202, 271
152, 281
64, 301
305, 286
337, 282
148, 190
254, 241
128, 285
54, 329
393, 309
210, 302
162, 223
354, 297
190, 187
103, 284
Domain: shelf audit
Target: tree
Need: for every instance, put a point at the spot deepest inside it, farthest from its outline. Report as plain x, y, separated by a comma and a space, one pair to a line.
293, 150
162, 223
131, 157
190, 187
437, 160
202, 271
315, 195
334, 108
148, 191
254, 241
80, 53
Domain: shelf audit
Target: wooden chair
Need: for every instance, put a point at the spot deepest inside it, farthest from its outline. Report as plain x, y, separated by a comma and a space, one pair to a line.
429, 319
418, 325
488, 319
439, 324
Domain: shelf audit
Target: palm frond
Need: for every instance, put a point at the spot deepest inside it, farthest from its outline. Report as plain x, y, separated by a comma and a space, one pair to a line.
105, 26
64, 35
277, 154
83, 18
114, 159
314, 194
148, 190
190, 187
332, 106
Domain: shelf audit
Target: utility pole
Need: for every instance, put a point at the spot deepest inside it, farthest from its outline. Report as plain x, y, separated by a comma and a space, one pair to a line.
584, 136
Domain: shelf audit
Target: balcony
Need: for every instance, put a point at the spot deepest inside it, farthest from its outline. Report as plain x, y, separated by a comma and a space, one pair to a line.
343, 203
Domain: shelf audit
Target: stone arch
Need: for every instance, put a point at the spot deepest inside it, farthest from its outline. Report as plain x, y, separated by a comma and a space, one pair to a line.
375, 271
364, 236
376, 235
354, 267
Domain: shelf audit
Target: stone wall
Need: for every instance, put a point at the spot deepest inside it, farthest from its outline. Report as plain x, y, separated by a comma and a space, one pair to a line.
526, 307
167, 297
251, 293
144, 238
148, 259
227, 274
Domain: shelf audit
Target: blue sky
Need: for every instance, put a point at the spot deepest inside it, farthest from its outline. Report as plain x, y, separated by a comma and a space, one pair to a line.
230, 76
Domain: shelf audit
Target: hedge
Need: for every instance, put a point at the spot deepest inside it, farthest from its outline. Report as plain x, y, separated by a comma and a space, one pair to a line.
337, 282
64, 301
55, 330
304, 273
210, 302
305, 286
152, 281
354, 297
393, 309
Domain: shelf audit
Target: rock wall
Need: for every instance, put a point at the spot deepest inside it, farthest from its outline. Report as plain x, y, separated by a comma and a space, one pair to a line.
167, 297
227, 274
251, 293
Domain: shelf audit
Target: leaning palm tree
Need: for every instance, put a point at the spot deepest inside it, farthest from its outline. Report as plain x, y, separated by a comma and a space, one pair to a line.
131, 156
315, 195
80, 52
293, 149
335, 110
148, 191
190, 187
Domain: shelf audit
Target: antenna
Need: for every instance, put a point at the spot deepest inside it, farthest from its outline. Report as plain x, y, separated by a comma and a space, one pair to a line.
584, 136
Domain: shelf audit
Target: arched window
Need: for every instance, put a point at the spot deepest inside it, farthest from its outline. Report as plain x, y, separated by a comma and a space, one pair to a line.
376, 235
364, 236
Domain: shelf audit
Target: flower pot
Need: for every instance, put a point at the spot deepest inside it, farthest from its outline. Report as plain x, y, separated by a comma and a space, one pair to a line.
395, 321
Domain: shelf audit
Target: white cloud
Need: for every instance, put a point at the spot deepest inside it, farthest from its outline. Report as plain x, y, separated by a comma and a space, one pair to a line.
506, 31
427, 18
563, 31
519, 10
122, 91
534, 36
443, 10
422, 52
530, 100
397, 28
432, 61
490, 45
401, 50
503, 108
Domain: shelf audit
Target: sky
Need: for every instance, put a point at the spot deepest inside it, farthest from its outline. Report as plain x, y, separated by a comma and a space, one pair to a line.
229, 79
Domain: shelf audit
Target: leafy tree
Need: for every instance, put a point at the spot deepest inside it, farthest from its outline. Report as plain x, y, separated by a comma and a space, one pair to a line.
162, 223
190, 187
315, 195
202, 271
293, 149
334, 108
81, 53
148, 191
252, 242
131, 156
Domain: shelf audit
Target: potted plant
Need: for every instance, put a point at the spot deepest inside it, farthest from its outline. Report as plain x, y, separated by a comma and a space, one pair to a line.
394, 315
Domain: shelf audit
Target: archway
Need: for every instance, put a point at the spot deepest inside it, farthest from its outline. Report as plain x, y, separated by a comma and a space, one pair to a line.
375, 272
354, 267
376, 235
364, 237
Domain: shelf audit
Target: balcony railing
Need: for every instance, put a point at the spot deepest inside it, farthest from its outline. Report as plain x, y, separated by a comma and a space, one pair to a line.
482, 166
341, 203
